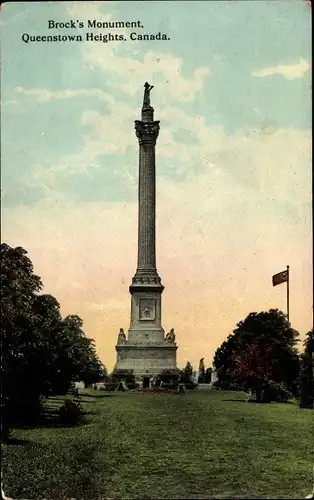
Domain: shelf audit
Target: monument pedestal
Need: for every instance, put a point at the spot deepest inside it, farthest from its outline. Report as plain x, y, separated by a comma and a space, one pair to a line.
146, 360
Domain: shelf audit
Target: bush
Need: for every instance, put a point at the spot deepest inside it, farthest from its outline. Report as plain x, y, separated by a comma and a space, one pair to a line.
70, 412
168, 379
275, 391
111, 386
127, 375
226, 385
190, 385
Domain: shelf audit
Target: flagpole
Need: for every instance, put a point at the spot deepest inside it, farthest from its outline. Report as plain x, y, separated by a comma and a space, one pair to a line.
288, 304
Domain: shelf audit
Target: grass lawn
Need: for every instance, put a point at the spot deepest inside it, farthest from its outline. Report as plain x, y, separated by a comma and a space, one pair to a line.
200, 445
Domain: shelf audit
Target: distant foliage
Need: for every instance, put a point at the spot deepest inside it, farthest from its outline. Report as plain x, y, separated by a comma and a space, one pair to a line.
208, 375
227, 385
278, 392
201, 372
306, 379
122, 374
261, 349
187, 376
168, 379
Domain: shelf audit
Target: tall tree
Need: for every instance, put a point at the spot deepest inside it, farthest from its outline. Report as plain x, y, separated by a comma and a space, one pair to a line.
79, 358
201, 371
187, 376
306, 380
19, 338
261, 349
208, 375
40, 353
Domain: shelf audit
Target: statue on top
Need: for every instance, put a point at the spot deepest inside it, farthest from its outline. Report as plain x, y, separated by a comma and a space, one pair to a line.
121, 336
170, 337
146, 100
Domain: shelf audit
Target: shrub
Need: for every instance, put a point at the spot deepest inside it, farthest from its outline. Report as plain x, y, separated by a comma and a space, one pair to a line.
277, 392
168, 379
111, 386
280, 392
70, 412
190, 385
127, 375
226, 385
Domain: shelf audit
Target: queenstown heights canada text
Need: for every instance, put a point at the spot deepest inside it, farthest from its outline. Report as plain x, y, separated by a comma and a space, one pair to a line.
75, 31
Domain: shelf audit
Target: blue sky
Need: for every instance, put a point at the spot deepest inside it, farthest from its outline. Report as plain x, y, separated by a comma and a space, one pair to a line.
232, 92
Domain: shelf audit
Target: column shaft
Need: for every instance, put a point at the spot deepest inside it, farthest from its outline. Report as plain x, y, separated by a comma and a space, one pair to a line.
147, 208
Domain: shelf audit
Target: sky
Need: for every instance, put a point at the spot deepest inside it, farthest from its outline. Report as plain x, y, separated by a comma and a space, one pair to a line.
232, 93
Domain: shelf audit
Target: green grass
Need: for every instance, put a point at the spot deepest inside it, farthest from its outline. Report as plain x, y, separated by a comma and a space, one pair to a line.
200, 445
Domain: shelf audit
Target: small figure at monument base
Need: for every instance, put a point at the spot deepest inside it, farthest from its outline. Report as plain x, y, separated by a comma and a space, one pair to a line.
170, 337
121, 336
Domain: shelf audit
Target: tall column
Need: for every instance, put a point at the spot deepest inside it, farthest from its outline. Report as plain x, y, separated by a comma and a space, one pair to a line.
146, 350
147, 131
146, 287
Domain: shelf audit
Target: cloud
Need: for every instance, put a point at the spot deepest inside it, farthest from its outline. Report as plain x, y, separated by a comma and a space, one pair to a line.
288, 71
128, 74
127, 69
44, 95
274, 164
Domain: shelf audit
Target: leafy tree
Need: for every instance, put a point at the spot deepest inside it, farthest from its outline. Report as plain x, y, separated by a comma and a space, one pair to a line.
261, 349
187, 376
208, 375
306, 379
19, 338
40, 352
76, 355
201, 372
103, 373
188, 370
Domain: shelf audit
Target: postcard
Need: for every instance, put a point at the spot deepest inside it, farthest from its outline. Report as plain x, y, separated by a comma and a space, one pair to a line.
156, 250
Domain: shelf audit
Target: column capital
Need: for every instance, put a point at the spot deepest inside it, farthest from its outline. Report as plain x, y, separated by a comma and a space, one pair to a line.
147, 132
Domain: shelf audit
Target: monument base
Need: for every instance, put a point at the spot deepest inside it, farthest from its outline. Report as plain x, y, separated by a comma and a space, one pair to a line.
146, 360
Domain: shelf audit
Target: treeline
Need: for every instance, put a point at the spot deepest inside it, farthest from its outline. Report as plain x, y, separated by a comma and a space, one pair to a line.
41, 353
261, 357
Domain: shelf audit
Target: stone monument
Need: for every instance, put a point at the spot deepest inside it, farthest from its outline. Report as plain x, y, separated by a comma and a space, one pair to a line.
146, 350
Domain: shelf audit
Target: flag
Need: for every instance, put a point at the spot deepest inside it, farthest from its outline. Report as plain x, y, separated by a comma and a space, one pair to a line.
280, 277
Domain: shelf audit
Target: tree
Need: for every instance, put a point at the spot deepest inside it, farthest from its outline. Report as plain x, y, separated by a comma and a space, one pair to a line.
201, 372
306, 379
254, 368
187, 376
77, 358
188, 371
40, 353
103, 373
19, 338
208, 375
262, 349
